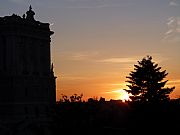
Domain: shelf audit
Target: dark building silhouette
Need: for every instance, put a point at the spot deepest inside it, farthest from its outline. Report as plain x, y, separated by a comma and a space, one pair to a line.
27, 81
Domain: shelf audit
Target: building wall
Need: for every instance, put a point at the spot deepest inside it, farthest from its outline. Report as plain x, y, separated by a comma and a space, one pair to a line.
26, 77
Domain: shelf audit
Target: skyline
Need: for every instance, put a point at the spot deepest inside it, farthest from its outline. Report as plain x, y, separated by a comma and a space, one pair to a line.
96, 43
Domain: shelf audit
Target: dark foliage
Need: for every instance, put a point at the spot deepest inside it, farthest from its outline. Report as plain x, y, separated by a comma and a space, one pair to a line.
117, 118
93, 117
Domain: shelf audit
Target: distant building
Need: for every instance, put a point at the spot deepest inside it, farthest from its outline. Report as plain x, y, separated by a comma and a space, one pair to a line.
27, 81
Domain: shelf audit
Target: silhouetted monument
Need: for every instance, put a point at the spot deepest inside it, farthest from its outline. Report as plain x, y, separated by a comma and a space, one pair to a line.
27, 81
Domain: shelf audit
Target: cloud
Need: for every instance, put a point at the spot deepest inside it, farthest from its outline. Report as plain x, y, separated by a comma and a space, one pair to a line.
116, 91
73, 77
173, 82
17, 1
118, 60
133, 59
76, 0
80, 7
118, 84
107, 5
173, 30
79, 56
173, 3
91, 4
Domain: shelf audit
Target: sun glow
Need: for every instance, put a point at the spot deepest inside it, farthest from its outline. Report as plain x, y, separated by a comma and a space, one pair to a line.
120, 94
123, 95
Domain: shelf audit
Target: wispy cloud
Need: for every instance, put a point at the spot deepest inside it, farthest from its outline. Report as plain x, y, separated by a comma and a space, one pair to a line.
117, 84
173, 30
76, 0
90, 4
173, 82
115, 91
73, 77
17, 1
79, 56
118, 60
131, 60
173, 26
93, 7
173, 3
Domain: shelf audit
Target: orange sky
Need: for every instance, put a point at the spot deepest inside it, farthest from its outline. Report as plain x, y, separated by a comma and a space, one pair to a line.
104, 78
94, 48
97, 42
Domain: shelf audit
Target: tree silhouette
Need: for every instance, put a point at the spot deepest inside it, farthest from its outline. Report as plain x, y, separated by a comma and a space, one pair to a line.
76, 98
146, 83
73, 98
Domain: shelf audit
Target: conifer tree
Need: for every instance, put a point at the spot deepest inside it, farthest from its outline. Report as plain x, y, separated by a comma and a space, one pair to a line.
146, 83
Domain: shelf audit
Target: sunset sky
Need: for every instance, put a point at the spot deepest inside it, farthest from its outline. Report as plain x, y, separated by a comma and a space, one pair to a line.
97, 42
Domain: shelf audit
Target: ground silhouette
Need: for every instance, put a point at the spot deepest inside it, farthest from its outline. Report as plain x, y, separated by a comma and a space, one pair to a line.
117, 117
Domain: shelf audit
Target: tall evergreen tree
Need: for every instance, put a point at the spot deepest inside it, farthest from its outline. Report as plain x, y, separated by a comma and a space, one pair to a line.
146, 83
